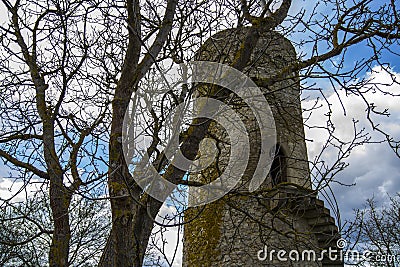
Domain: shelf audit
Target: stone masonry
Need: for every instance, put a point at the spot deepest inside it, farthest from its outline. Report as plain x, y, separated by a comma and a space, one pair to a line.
284, 213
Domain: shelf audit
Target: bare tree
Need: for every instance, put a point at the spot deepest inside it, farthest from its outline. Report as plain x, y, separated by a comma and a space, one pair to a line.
376, 229
50, 121
69, 70
26, 231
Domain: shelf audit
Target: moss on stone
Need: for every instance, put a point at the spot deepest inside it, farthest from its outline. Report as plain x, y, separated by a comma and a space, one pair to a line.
202, 235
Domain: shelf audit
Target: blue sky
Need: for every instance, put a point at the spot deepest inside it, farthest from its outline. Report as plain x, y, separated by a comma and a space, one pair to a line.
373, 168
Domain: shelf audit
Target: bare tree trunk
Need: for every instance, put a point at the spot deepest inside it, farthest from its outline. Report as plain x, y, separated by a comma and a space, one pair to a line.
59, 202
130, 225
142, 226
122, 203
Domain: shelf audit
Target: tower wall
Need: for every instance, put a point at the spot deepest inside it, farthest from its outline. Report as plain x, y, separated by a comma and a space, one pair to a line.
272, 53
231, 231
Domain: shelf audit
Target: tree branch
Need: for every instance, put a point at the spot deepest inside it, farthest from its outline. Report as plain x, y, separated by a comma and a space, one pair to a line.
24, 165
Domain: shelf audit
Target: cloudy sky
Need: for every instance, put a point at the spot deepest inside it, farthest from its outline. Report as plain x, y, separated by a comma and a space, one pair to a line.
373, 168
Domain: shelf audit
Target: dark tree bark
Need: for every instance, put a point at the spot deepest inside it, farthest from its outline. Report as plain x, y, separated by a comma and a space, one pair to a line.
129, 227
133, 211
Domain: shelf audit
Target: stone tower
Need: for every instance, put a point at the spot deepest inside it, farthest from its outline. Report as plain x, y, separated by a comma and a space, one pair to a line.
284, 213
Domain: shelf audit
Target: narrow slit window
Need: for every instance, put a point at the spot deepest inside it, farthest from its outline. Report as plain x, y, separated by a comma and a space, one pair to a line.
279, 167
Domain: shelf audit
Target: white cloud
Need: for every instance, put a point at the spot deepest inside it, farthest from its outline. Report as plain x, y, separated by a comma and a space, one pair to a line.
374, 168
17, 190
173, 247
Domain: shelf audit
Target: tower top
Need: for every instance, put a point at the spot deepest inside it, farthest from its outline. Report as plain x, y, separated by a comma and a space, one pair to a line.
271, 54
